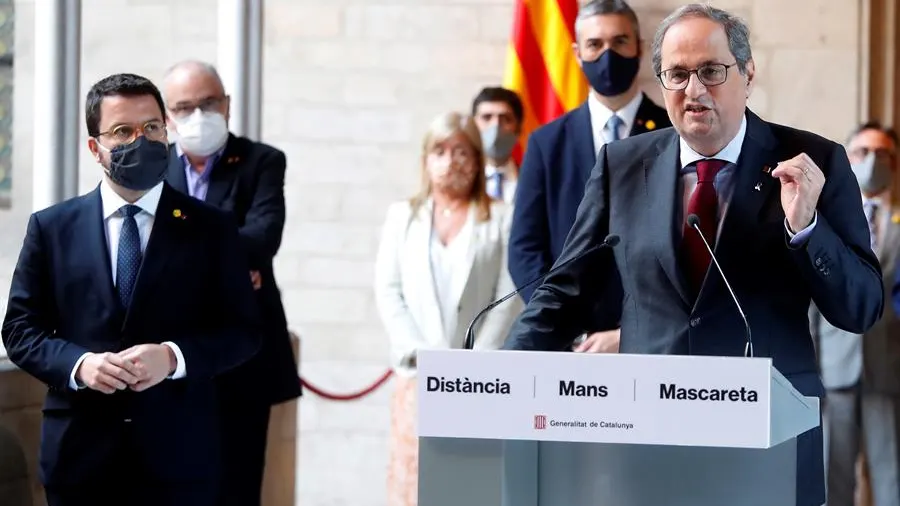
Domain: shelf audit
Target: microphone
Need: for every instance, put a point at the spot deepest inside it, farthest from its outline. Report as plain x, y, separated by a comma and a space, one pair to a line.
610, 242
694, 222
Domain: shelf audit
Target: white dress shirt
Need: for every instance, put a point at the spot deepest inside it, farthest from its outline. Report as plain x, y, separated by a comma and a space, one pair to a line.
446, 262
508, 178
600, 115
724, 181
112, 224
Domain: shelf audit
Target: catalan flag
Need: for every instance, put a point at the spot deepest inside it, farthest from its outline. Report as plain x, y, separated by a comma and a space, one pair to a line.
540, 64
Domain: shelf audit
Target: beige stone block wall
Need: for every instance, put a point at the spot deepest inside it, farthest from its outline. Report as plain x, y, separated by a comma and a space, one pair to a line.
348, 89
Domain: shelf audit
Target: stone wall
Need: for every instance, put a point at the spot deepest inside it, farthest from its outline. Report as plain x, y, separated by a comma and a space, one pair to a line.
349, 86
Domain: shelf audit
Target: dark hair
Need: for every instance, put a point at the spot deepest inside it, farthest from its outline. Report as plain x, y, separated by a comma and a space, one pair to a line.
125, 85
608, 7
736, 31
874, 125
498, 94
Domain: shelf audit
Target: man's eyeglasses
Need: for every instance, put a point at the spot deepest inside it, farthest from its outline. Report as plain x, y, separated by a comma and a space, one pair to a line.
864, 151
211, 104
154, 130
711, 74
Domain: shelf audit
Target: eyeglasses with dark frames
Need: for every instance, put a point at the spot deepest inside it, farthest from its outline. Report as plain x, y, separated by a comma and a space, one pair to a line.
710, 74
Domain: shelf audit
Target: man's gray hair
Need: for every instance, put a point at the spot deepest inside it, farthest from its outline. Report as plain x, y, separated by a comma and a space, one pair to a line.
607, 7
735, 29
203, 66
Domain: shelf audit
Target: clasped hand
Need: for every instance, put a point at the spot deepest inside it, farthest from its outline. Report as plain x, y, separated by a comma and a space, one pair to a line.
137, 368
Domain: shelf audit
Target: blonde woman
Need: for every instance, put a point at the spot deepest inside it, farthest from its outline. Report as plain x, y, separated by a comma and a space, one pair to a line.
441, 259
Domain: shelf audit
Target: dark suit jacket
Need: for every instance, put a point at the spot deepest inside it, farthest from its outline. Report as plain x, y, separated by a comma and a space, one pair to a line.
248, 181
63, 303
634, 191
556, 167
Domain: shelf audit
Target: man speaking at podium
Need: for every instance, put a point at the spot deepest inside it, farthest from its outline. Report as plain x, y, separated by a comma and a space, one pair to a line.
780, 207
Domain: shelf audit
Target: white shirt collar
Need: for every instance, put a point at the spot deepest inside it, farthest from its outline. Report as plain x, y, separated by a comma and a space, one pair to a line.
600, 114
112, 202
729, 153
507, 168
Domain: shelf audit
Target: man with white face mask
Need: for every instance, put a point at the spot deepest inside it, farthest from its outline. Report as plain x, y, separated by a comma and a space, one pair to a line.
860, 372
246, 178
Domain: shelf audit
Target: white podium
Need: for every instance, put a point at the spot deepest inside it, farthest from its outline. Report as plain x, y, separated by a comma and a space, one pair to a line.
507, 428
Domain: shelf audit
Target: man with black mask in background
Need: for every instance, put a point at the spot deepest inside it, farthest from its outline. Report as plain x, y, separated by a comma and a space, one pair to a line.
862, 404
561, 154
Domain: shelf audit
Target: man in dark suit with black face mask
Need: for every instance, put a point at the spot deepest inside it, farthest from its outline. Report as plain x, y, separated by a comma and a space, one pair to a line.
110, 308
561, 154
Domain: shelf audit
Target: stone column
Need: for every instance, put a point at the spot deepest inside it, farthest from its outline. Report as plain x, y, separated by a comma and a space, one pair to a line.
240, 62
57, 73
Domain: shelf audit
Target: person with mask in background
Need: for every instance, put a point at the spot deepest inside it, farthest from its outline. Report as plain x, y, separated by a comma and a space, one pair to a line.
862, 372
499, 113
111, 309
246, 178
561, 154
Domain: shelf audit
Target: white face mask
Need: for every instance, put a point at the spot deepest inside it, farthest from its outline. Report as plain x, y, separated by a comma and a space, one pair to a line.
201, 133
873, 174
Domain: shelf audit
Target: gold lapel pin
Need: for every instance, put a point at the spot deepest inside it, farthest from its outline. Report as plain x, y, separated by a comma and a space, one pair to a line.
178, 214
650, 124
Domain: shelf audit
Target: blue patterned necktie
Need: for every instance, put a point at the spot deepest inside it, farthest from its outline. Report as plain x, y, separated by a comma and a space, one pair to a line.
128, 261
495, 185
870, 208
614, 123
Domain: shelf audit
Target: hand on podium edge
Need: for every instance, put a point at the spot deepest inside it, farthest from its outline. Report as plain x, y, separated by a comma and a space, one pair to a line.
599, 342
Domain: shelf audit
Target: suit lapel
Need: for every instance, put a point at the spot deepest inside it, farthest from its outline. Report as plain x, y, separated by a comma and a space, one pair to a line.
176, 176
224, 173
753, 183
95, 230
159, 249
476, 237
889, 237
583, 135
661, 180
419, 256
643, 120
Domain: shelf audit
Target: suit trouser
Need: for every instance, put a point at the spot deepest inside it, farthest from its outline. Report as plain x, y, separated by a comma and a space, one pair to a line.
126, 481
245, 426
109, 494
856, 420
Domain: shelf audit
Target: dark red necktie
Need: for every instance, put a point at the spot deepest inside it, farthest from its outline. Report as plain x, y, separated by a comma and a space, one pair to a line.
705, 204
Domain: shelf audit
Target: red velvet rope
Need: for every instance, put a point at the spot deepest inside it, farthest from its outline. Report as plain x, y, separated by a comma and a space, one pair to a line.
347, 397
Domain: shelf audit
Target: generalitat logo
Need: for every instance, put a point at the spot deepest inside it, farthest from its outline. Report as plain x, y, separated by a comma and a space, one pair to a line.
540, 422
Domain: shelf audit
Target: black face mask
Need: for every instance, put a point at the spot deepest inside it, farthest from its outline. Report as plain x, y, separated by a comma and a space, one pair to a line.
138, 166
611, 74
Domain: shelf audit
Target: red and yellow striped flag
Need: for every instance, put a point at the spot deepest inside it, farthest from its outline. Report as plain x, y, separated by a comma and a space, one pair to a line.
540, 64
